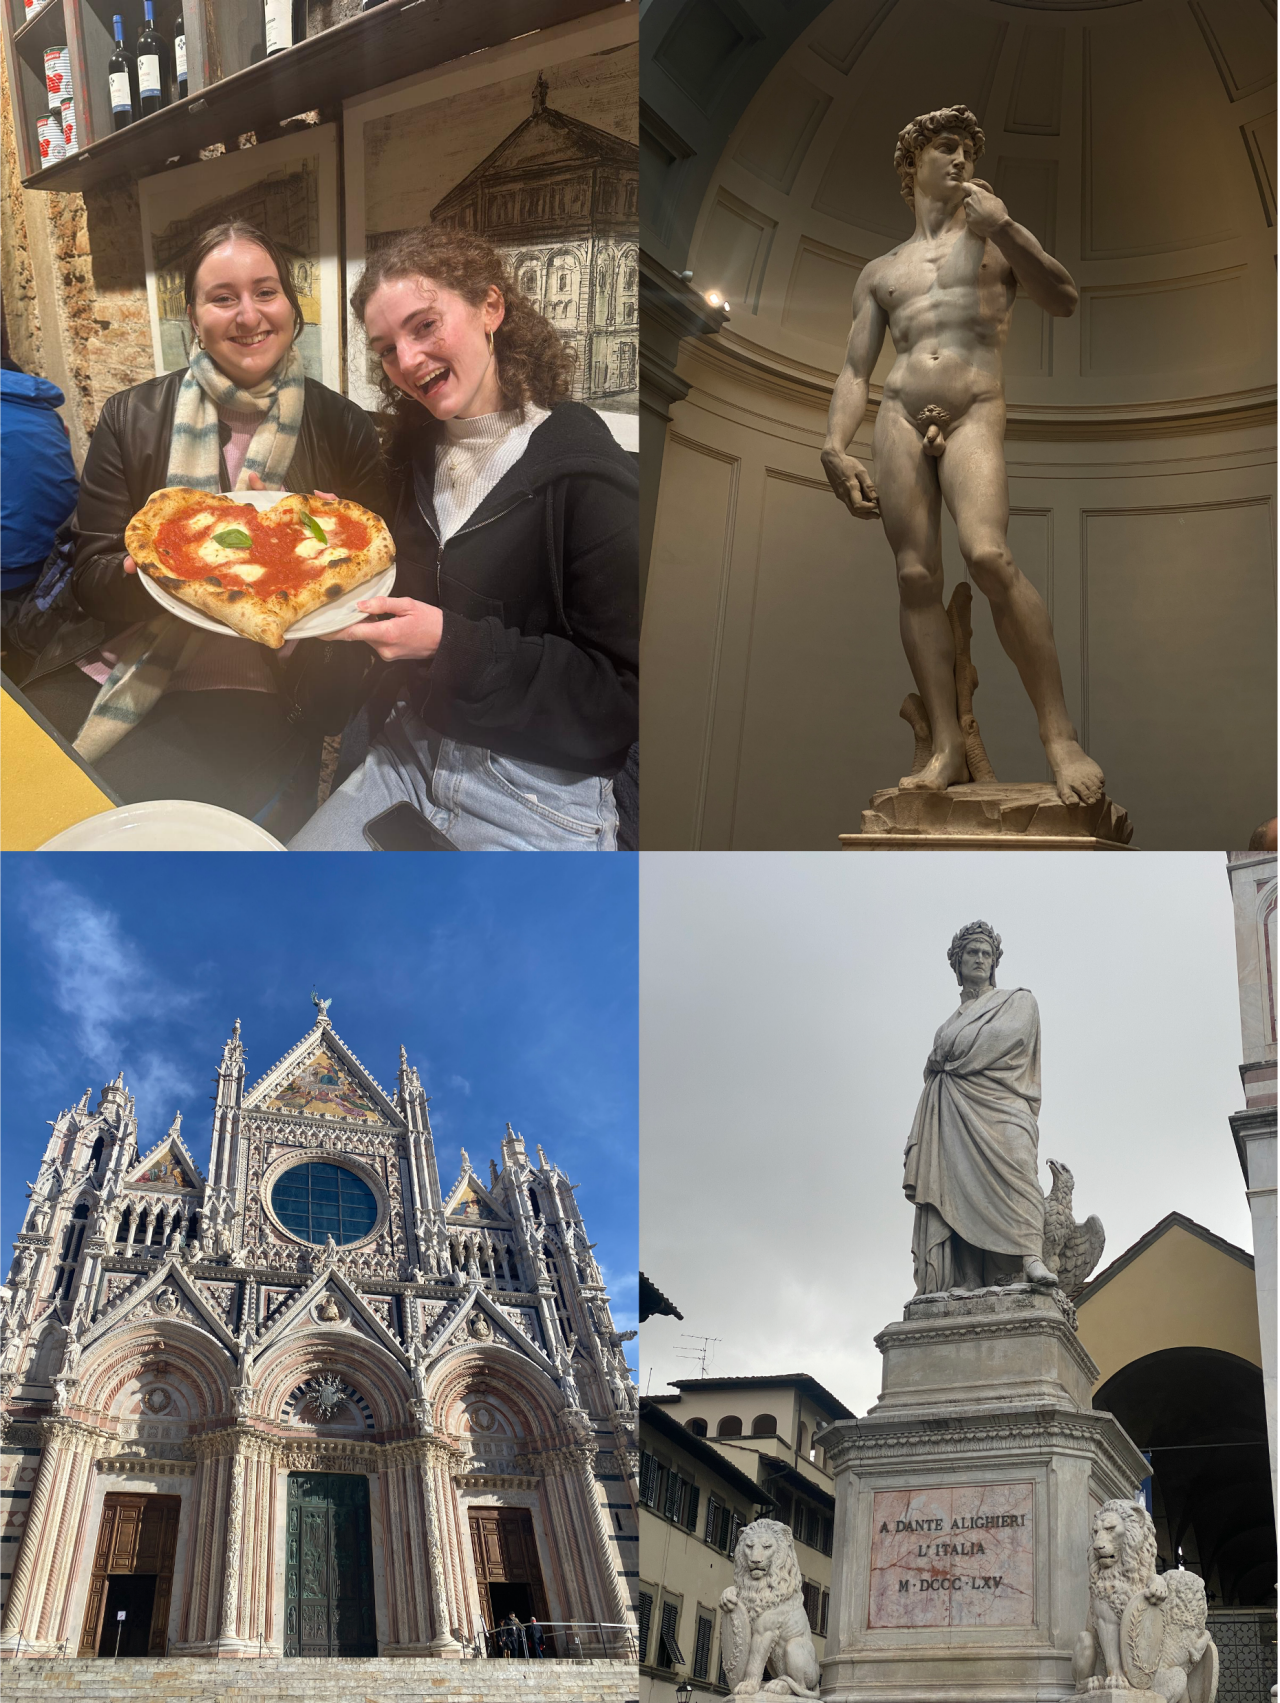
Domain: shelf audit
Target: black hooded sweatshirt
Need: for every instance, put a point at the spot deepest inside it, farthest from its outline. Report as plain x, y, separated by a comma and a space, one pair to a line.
539, 655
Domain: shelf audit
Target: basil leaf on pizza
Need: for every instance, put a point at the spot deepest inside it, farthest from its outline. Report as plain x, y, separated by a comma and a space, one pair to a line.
257, 571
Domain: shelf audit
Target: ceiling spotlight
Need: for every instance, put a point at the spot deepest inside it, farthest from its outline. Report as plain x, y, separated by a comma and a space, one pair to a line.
714, 298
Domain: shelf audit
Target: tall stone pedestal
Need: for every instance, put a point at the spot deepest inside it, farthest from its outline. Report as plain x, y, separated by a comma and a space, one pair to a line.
964, 1502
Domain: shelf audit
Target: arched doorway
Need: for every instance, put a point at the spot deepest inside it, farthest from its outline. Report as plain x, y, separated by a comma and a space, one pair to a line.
328, 1577
1199, 1414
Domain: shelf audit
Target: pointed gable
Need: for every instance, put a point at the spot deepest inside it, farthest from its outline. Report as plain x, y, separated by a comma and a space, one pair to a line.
165, 1169
549, 141
322, 1088
471, 1201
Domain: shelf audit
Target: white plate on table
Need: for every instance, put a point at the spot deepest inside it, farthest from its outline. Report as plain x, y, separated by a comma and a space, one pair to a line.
165, 825
342, 612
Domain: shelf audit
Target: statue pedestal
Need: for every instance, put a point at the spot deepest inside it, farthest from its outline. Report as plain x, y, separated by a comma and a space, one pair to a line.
964, 1502
989, 816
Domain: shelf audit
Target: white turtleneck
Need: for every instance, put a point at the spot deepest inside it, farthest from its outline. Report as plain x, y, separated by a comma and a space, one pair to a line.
473, 455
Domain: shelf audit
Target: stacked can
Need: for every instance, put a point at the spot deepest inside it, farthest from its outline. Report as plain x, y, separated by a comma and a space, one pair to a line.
71, 139
53, 145
57, 76
31, 8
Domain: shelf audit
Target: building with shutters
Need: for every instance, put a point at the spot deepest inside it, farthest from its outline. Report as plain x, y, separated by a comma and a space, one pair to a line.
311, 1402
693, 1504
764, 1428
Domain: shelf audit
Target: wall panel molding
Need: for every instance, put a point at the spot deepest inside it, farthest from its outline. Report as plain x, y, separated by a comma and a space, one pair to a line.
1035, 100
685, 618
1247, 64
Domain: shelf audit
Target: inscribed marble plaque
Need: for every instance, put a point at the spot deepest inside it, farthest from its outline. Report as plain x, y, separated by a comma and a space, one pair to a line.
963, 1555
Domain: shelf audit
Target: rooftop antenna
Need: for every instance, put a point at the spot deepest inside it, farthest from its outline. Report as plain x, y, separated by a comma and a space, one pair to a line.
701, 1355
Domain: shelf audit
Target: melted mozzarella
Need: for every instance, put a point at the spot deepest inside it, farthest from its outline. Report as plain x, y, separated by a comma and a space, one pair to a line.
216, 554
308, 548
248, 571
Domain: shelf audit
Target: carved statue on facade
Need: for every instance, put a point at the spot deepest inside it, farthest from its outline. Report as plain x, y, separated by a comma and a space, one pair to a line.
946, 297
1147, 1632
767, 1627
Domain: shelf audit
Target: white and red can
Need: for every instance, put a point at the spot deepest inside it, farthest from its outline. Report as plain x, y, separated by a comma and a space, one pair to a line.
32, 7
69, 136
53, 147
57, 76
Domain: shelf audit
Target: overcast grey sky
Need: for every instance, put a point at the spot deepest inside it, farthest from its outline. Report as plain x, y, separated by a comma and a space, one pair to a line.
788, 1003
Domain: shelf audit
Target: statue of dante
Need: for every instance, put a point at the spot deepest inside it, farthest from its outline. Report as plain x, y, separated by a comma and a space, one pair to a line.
971, 1166
946, 297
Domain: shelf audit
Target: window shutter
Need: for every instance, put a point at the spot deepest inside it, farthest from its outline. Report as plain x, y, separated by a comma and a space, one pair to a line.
822, 1616
646, 1615
809, 1596
713, 1520
702, 1648
669, 1652
691, 1512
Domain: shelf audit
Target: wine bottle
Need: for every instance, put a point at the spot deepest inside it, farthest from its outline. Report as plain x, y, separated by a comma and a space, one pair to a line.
120, 79
286, 24
152, 94
180, 60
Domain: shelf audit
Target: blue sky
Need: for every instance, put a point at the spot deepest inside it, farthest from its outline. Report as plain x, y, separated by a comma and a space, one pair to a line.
512, 982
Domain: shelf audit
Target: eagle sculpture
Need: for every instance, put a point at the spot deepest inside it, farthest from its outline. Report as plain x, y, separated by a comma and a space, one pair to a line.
1070, 1249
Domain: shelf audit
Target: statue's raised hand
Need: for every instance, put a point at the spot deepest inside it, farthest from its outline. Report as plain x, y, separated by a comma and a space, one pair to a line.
984, 211
851, 482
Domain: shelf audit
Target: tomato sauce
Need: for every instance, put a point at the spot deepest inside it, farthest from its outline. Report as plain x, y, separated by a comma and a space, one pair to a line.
273, 547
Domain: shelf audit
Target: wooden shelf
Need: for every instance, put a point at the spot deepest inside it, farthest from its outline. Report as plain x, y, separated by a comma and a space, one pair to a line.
399, 38
46, 29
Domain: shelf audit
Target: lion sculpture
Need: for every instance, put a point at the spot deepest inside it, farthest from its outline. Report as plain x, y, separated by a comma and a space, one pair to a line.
1146, 1631
767, 1627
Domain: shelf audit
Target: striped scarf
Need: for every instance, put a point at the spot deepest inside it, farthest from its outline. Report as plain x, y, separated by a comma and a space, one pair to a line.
154, 652
194, 453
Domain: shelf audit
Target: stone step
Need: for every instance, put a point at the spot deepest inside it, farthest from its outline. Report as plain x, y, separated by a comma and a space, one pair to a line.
381, 1679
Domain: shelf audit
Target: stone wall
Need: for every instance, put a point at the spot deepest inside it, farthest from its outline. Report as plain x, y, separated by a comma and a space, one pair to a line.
21, 310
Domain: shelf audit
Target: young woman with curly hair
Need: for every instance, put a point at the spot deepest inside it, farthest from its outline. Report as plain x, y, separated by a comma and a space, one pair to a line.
509, 698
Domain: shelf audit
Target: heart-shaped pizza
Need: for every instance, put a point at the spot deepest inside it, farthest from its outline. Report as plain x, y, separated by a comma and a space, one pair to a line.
257, 571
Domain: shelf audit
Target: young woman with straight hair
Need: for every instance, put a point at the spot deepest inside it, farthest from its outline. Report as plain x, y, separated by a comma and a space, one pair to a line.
164, 709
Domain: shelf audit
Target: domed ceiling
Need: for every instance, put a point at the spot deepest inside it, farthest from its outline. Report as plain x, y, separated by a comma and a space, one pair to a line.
1135, 138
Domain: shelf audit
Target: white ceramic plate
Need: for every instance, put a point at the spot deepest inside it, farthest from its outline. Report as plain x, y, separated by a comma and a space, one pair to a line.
164, 825
342, 612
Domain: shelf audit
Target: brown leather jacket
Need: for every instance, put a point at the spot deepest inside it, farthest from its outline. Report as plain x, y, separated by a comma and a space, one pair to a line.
128, 459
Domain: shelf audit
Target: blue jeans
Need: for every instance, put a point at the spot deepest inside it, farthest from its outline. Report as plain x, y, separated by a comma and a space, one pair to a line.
479, 800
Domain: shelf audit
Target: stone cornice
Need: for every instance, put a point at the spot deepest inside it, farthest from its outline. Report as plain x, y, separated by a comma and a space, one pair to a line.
913, 1332
673, 303
877, 1442
778, 375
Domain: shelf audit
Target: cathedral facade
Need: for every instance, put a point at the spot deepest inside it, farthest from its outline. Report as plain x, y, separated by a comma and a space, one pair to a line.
313, 1403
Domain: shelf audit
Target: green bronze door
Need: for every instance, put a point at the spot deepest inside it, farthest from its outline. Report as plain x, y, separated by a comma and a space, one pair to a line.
329, 1567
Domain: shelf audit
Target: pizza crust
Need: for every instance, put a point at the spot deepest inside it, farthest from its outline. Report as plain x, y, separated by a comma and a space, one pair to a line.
231, 601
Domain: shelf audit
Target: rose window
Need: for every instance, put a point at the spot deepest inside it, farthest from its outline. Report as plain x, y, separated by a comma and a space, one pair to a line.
318, 1201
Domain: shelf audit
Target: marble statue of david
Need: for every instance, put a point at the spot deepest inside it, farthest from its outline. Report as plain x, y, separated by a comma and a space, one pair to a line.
971, 1159
946, 297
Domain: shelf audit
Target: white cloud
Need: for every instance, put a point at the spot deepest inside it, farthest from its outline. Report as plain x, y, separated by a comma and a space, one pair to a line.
460, 1083
101, 981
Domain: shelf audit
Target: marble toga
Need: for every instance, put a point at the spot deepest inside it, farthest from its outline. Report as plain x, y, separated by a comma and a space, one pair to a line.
971, 1162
